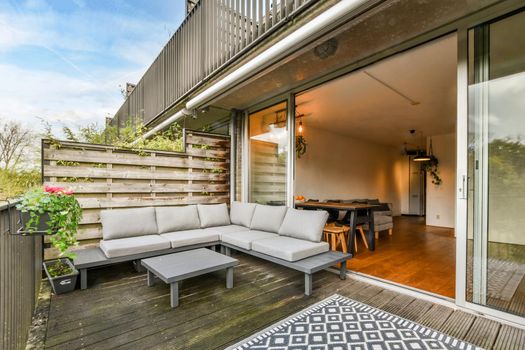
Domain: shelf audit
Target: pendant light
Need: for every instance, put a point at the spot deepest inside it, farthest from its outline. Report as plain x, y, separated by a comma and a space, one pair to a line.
423, 157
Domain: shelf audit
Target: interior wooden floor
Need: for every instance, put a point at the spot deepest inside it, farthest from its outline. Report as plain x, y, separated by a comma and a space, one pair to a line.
120, 311
416, 255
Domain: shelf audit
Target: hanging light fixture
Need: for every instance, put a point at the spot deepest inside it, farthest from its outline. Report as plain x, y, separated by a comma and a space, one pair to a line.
424, 157
300, 117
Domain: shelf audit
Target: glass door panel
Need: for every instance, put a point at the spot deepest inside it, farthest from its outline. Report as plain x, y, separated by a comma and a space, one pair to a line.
268, 147
496, 165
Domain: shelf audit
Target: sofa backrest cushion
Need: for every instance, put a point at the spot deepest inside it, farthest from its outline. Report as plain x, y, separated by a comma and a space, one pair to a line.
268, 218
124, 223
304, 224
213, 215
170, 219
242, 213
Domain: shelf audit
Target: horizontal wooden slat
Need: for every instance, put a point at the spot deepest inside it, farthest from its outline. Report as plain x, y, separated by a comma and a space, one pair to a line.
208, 153
102, 173
141, 188
269, 178
92, 203
208, 141
97, 157
83, 234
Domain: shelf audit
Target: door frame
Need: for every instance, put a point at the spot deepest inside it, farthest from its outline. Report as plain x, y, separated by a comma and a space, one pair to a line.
460, 27
462, 166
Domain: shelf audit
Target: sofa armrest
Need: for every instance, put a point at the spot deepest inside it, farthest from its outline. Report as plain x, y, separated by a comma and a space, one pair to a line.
385, 209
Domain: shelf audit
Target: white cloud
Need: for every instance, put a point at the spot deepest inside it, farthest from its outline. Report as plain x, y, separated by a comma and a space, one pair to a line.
26, 95
85, 31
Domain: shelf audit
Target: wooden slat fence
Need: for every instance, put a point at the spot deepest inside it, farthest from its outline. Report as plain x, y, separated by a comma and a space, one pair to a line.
20, 276
106, 177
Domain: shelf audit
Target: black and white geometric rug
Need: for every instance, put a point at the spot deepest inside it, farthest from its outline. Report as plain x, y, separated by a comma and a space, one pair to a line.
338, 323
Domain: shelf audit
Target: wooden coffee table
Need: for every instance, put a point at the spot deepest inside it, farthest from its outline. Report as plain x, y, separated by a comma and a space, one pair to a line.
173, 268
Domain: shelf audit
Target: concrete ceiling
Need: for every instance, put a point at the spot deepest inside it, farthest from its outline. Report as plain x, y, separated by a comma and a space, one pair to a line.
412, 90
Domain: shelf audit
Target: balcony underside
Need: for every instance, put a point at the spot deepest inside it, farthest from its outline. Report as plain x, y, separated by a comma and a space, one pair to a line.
119, 310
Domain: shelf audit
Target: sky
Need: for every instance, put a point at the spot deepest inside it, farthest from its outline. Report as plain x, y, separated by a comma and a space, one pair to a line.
64, 60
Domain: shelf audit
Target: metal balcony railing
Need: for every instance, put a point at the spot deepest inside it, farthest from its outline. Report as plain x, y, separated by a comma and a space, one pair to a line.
214, 33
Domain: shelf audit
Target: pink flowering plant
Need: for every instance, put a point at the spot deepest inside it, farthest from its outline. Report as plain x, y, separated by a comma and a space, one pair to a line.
62, 211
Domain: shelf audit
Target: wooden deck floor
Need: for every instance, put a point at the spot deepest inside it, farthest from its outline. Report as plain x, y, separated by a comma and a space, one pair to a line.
120, 311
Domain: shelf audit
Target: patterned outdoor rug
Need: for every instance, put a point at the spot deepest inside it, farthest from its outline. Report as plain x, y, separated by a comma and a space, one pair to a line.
338, 323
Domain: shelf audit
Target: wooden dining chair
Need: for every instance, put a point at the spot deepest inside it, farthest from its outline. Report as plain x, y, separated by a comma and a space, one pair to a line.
338, 236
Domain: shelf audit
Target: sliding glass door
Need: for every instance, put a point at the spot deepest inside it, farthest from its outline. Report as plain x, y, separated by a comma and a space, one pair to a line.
268, 153
495, 274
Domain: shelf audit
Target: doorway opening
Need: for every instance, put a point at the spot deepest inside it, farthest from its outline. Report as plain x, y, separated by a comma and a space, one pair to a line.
386, 135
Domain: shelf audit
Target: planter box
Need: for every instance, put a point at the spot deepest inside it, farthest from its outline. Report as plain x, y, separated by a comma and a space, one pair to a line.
41, 228
62, 284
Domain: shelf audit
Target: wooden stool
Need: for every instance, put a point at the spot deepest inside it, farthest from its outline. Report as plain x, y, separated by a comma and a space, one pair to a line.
337, 235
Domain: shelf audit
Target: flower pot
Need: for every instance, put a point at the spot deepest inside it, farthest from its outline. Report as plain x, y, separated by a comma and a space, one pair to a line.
64, 283
41, 227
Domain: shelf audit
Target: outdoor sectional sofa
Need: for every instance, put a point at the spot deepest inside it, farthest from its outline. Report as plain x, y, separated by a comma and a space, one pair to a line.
282, 235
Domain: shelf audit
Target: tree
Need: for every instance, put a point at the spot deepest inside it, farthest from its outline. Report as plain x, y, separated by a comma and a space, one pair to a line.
14, 142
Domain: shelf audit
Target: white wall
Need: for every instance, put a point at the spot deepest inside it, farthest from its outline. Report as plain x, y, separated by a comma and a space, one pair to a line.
339, 167
441, 200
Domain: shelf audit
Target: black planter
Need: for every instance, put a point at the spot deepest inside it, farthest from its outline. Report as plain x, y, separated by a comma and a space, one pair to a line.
41, 228
62, 284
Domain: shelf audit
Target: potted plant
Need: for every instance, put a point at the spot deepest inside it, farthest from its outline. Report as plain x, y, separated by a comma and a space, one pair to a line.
432, 168
54, 211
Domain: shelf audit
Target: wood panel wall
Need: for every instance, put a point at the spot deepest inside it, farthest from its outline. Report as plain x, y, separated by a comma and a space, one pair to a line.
106, 177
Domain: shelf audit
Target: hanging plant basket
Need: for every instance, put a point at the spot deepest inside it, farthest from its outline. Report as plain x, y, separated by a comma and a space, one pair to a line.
40, 229
431, 167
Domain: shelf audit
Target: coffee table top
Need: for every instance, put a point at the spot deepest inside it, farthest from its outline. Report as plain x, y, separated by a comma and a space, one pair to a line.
178, 266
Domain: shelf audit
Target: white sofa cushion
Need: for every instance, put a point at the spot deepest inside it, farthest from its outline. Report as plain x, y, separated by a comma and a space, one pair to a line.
288, 248
190, 237
124, 223
268, 218
304, 224
244, 239
181, 218
213, 215
133, 245
242, 213
220, 230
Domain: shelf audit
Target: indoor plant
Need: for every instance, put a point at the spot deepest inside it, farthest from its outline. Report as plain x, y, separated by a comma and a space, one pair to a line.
54, 211
432, 168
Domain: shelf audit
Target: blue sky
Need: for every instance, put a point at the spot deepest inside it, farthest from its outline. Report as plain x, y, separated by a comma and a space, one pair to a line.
63, 60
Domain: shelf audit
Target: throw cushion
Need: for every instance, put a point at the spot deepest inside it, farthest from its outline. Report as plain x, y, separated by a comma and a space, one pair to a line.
124, 223
213, 215
304, 224
171, 219
268, 218
242, 213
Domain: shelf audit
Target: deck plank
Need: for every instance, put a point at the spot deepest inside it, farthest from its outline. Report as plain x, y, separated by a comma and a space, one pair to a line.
458, 324
510, 338
483, 332
120, 311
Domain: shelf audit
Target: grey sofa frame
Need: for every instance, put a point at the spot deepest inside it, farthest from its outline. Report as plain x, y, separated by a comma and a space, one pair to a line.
308, 265
94, 257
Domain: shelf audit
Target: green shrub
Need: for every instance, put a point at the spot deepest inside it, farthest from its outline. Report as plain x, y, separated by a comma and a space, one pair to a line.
14, 183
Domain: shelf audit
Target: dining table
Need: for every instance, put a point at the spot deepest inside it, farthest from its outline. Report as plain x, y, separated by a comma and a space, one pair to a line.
366, 216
